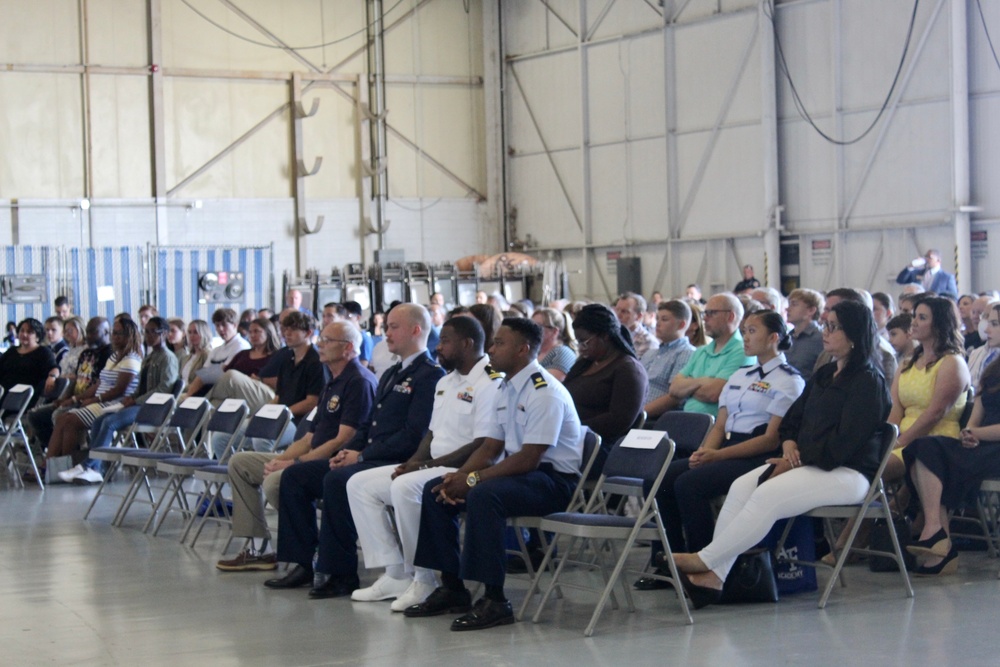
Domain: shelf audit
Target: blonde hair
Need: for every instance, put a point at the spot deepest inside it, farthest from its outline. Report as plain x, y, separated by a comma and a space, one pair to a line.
553, 318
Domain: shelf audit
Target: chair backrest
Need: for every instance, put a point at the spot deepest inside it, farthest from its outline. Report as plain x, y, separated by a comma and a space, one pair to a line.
686, 429
156, 410
228, 421
188, 418
635, 463
640, 419
268, 426
303, 426
17, 399
970, 401
177, 387
888, 434
591, 451
59, 387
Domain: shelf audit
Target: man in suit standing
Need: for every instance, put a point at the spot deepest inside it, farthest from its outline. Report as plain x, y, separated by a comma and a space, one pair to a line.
927, 271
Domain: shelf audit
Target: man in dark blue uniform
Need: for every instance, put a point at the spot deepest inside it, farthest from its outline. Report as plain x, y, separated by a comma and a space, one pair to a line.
399, 419
536, 437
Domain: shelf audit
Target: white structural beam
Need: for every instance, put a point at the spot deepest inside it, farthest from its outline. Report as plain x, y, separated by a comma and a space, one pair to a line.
960, 144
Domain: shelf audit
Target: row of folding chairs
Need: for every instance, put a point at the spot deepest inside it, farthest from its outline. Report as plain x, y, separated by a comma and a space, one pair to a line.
13, 405
593, 530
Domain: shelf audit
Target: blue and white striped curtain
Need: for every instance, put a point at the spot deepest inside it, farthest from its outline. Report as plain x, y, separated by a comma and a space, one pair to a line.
30, 259
176, 272
120, 268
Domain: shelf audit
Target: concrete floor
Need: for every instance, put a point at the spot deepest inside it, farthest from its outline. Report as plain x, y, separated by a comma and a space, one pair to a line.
84, 593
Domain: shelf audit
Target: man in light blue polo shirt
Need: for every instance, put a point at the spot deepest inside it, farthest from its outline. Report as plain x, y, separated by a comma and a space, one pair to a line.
697, 386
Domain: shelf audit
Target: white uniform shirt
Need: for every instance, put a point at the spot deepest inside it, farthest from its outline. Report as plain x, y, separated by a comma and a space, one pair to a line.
534, 408
756, 393
463, 408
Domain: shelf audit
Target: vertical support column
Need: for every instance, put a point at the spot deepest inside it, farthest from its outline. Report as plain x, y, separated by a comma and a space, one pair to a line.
156, 118
362, 123
960, 144
589, 259
494, 69
670, 115
839, 261
376, 96
769, 143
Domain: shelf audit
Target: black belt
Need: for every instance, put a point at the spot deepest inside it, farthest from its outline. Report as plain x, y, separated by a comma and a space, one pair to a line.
549, 469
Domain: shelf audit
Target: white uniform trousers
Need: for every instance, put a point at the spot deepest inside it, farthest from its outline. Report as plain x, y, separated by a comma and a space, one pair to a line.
370, 492
751, 510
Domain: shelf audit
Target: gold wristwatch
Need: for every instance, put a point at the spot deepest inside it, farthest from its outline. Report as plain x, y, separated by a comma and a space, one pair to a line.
472, 479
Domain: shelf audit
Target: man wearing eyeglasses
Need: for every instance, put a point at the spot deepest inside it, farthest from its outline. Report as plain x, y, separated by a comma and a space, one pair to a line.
343, 408
697, 386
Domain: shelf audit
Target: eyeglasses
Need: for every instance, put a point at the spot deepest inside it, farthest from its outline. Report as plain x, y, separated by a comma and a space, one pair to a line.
583, 342
324, 339
712, 313
832, 327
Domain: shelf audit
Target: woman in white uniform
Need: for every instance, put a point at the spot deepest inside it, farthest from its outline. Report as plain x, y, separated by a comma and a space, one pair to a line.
745, 435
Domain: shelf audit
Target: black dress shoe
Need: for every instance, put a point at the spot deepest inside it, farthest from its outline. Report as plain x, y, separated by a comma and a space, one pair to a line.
701, 596
648, 583
297, 577
441, 601
485, 614
335, 587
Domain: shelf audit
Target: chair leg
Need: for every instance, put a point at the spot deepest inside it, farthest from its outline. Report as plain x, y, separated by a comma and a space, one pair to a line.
174, 486
112, 470
555, 579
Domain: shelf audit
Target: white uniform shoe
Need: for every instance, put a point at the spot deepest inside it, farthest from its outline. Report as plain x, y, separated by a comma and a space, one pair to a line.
415, 594
384, 588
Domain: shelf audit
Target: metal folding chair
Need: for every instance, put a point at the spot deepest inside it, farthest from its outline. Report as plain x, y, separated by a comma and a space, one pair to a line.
265, 425
12, 408
874, 506
596, 526
228, 420
687, 429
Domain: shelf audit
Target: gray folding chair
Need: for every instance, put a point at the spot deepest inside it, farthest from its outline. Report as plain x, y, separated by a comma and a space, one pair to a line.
874, 506
601, 529
181, 468
686, 429
216, 476
184, 425
12, 408
591, 446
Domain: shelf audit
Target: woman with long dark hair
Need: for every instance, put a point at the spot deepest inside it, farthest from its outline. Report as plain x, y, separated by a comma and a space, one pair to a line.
830, 439
29, 362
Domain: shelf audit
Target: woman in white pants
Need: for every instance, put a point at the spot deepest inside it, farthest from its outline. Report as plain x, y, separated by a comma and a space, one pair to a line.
830, 453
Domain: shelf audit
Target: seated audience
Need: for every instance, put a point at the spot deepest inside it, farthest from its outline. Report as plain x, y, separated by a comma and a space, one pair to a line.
354, 312
54, 339
158, 373
118, 379
199, 338
942, 472
249, 364
29, 362
558, 352
883, 310
607, 382
225, 323
805, 306
672, 321
629, 308
830, 444
898, 329
929, 392
743, 438
978, 312
886, 352
982, 356
965, 313
696, 330
74, 333
177, 341
697, 386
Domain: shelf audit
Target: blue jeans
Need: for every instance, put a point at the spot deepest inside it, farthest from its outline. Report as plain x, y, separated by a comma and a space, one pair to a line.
103, 429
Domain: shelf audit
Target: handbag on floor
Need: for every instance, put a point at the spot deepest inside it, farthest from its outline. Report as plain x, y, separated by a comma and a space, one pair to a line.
880, 540
56, 465
751, 579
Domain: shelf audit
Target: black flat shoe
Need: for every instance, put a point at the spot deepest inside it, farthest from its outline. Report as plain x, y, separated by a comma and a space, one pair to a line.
485, 614
937, 544
297, 577
648, 583
335, 587
701, 596
441, 601
946, 566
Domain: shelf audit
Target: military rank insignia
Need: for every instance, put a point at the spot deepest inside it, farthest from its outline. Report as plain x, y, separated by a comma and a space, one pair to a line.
538, 380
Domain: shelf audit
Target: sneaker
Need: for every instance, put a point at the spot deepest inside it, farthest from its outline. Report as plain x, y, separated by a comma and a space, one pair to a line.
415, 594
247, 560
384, 588
88, 476
71, 474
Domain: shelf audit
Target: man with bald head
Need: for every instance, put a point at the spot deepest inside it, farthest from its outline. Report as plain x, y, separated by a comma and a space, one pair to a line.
697, 386
398, 421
